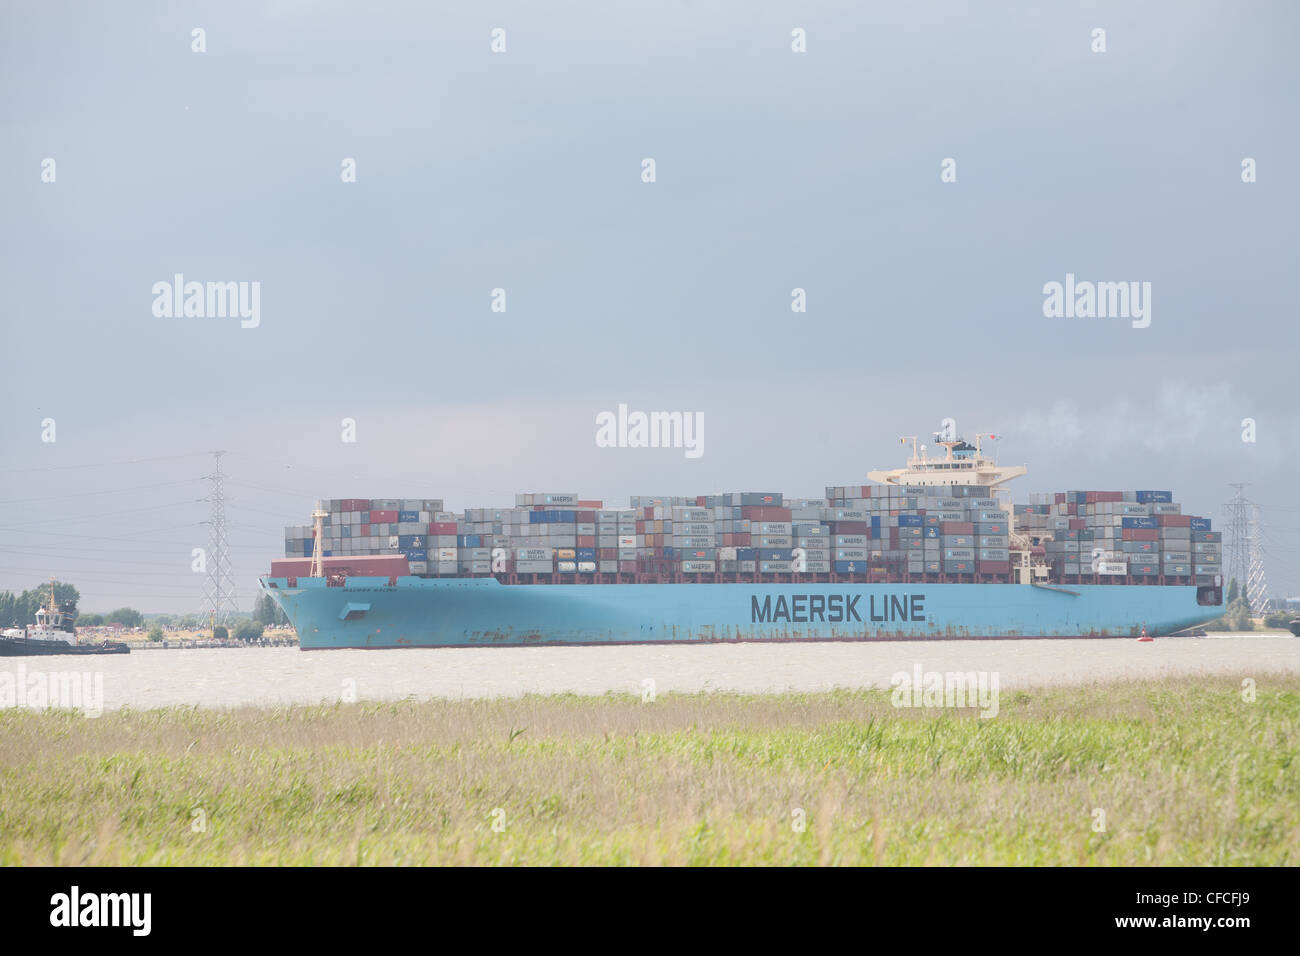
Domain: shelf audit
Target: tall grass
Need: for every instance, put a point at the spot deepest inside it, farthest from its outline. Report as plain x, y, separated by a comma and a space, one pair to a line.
1183, 771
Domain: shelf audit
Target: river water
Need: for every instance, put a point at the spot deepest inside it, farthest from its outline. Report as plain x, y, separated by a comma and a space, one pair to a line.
229, 677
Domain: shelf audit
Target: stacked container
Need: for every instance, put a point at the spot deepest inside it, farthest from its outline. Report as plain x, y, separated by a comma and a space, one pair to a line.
955, 531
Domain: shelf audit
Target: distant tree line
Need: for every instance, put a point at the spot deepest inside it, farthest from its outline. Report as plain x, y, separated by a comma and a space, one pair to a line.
19, 610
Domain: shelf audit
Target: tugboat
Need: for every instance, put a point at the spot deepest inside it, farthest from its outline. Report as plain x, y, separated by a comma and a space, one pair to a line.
54, 633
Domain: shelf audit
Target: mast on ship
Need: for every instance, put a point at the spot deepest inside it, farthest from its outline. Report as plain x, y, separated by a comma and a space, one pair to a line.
318, 550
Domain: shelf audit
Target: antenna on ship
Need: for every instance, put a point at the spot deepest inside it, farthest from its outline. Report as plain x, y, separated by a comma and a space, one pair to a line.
318, 549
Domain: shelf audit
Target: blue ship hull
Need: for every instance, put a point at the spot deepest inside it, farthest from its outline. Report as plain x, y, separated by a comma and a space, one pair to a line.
475, 612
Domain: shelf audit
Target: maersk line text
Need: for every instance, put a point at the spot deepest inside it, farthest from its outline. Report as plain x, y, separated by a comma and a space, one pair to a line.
836, 608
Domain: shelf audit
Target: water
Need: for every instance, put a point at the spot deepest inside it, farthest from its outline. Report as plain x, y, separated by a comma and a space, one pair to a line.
233, 677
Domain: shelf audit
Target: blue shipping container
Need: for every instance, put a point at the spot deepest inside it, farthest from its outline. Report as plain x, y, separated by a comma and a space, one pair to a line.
1148, 497
416, 554
408, 516
774, 554
1201, 524
911, 521
1139, 522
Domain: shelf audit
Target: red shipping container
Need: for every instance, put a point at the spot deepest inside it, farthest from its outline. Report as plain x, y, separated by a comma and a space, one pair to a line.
627, 567
866, 491
1060, 498
365, 530
699, 501
383, 517
1077, 524
956, 527
442, 527
586, 541
1110, 496
1140, 534
585, 517
742, 539
851, 527
378, 565
608, 554
726, 539
1174, 521
1090, 497
765, 513
993, 567
591, 505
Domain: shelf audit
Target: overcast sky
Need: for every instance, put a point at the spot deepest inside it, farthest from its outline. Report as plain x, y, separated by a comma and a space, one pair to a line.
522, 170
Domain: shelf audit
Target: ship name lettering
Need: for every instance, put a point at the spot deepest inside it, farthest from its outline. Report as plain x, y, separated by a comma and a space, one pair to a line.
805, 608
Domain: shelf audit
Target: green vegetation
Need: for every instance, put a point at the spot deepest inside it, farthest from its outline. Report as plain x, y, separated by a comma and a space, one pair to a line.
248, 631
1186, 772
220, 633
156, 633
266, 611
1236, 616
127, 617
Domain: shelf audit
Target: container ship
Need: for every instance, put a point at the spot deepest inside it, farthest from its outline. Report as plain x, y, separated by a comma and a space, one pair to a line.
933, 550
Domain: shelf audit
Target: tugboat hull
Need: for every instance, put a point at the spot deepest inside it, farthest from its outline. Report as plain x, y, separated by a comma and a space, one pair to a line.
25, 647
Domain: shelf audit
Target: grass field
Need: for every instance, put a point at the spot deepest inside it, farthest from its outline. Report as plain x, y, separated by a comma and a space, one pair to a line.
1184, 772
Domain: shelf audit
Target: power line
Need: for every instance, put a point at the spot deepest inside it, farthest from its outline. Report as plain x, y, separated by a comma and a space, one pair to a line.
84, 494
1258, 584
220, 596
99, 514
101, 464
